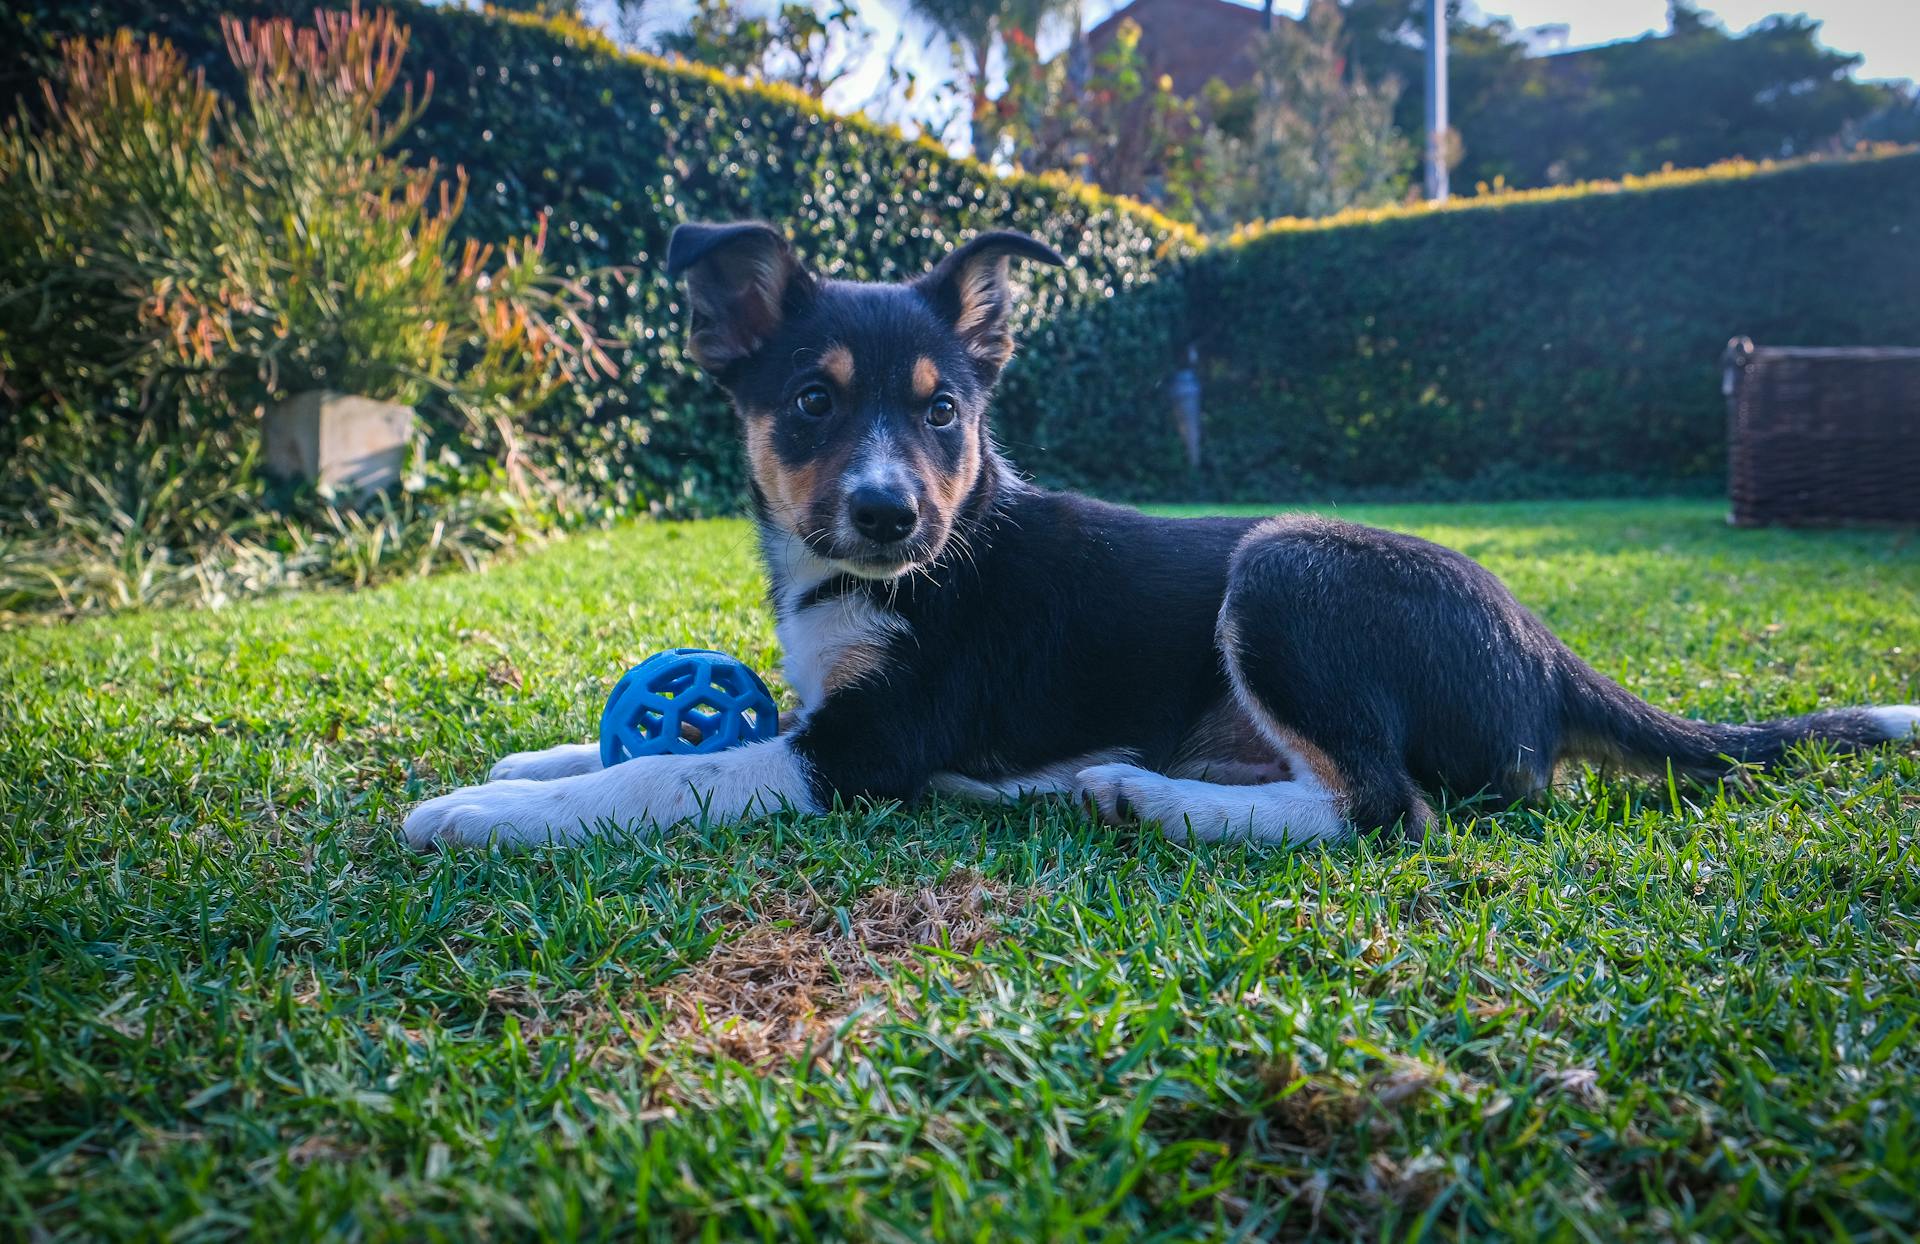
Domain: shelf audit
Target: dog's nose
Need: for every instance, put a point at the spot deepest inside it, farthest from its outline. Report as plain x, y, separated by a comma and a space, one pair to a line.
882, 515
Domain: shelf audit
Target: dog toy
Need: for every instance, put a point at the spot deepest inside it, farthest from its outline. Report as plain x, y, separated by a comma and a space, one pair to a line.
685, 701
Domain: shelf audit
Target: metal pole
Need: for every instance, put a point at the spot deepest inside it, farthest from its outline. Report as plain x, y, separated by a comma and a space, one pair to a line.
1437, 100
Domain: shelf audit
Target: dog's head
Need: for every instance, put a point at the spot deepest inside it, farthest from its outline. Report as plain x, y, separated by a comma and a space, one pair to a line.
864, 406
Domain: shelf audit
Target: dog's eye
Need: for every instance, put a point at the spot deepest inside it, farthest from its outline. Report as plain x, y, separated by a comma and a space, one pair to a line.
942, 412
814, 401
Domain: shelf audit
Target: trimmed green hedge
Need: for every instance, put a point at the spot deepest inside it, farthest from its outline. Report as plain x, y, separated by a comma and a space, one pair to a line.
1553, 342
1547, 343
620, 148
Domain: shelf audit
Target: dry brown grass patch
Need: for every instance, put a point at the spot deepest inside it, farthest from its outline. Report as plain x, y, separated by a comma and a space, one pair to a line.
801, 968
1316, 1108
788, 974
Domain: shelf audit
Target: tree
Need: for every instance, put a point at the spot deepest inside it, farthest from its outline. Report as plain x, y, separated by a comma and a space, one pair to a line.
1311, 135
1896, 120
1320, 137
975, 28
1702, 93
545, 8
1696, 94
1488, 68
629, 19
795, 44
1105, 121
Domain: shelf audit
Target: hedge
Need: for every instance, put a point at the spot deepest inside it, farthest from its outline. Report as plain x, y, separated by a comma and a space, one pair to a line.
1539, 341
546, 116
1534, 342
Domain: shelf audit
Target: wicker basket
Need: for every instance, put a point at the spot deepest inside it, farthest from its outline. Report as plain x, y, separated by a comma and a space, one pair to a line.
1820, 437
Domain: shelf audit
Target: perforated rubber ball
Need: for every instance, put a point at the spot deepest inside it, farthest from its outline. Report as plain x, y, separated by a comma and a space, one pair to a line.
685, 701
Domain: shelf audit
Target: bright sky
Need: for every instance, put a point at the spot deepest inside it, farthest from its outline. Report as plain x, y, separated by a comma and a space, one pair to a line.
1886, 32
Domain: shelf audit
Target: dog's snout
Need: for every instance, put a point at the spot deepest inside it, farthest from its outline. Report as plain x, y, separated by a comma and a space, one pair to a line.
883, 515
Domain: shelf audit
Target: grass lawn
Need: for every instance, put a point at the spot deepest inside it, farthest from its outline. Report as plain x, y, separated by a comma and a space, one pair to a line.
232, 1003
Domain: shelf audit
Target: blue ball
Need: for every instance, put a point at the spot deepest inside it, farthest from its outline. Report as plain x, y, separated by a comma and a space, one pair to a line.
685, 701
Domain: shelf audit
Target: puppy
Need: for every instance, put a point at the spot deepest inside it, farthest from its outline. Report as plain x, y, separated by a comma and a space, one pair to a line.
947, 626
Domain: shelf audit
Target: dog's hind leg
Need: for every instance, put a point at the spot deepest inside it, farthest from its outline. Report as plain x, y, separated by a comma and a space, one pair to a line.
1309, 666
1280, 813
566, 760
1316, 665
1395, 666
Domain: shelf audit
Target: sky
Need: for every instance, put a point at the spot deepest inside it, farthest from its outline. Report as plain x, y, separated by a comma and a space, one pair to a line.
1886, 32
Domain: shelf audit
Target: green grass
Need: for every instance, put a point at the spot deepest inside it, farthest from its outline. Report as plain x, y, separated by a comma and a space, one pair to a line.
232, 1004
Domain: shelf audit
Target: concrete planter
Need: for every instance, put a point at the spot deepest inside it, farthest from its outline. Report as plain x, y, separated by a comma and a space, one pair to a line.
352, 445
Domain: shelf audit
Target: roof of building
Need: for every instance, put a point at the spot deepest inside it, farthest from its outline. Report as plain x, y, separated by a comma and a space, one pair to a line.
1193, 40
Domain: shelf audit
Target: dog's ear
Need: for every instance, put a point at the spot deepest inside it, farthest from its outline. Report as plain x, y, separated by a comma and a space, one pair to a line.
742, 281
970, 289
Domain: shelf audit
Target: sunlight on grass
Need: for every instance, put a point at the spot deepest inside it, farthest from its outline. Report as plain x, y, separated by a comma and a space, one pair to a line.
233, 1003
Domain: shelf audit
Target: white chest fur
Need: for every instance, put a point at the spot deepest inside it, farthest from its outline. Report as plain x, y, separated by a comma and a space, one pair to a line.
830, 643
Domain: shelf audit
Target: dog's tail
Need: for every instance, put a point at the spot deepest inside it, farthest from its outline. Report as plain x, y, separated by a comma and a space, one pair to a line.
1607, 722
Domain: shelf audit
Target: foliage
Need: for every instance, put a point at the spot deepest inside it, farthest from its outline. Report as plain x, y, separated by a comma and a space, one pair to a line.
130, 517
543, 8
1774, 91
162, 246
975, 28
1499, 194
549, 119
1327, 124
1310, 136
233, 1003
1399, 348
173, 262
1119, 128
795, 44
1540, 336
1897, 120
123, 164
1320, 137
1693, 96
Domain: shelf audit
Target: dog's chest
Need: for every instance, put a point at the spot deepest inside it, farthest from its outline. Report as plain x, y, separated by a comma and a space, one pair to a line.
825, 643
832, 643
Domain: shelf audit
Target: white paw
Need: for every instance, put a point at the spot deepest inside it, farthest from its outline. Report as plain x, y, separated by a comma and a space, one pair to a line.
1900, 721
1121, 793
510, 813
1278, 812
566, 760
648, 791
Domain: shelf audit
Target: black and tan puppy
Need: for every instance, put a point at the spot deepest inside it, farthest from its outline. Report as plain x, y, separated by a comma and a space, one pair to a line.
948, 627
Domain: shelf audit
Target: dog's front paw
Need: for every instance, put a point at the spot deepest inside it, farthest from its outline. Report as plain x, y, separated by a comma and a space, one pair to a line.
510, 813
547, 764
650, 791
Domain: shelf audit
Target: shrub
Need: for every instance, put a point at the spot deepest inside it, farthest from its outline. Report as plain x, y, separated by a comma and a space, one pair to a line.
1546, 341
170, 262
549, 119
141, 516
1542, 342
162, 246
